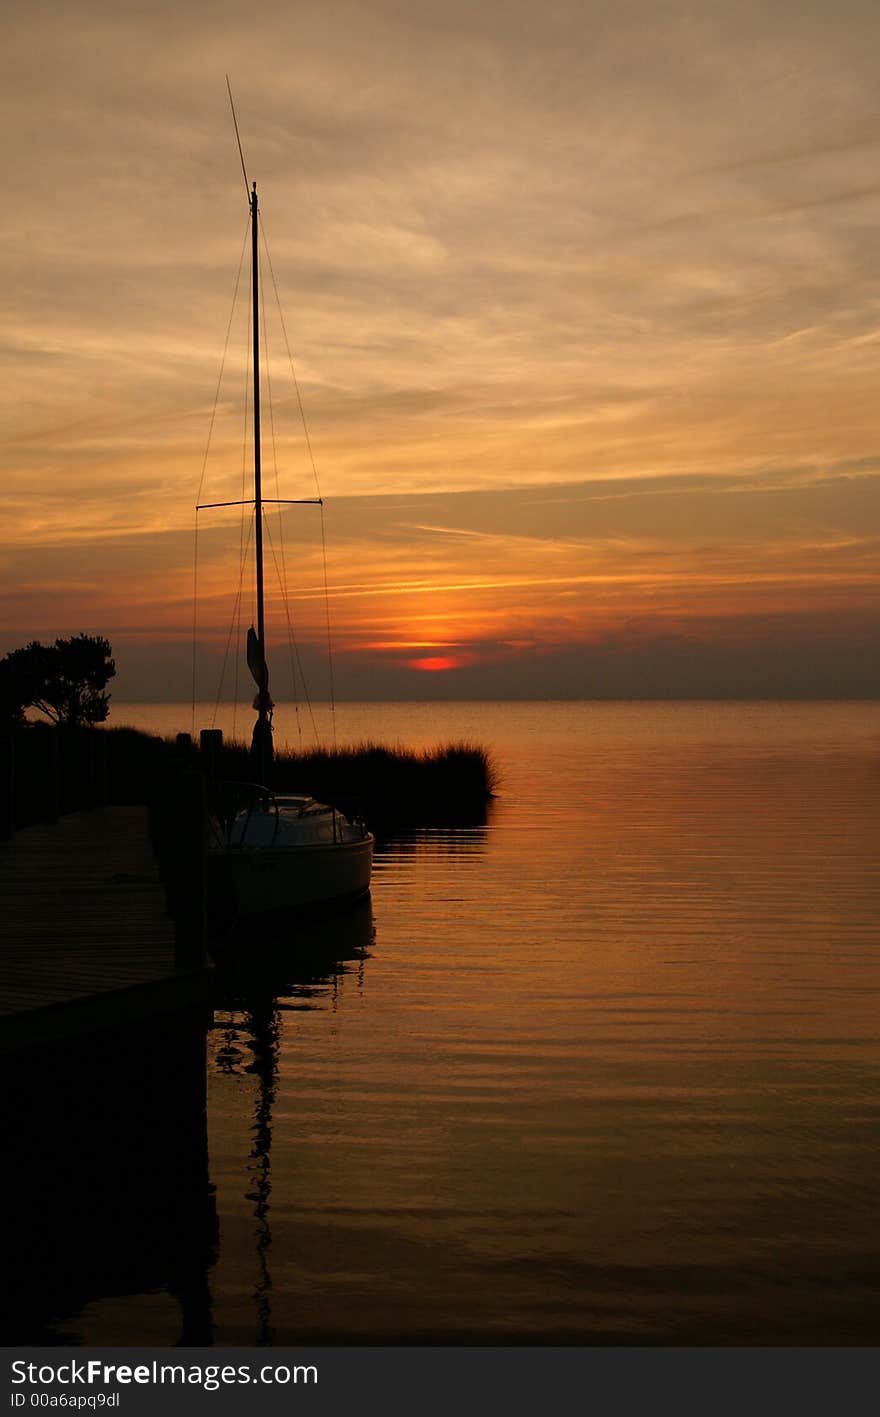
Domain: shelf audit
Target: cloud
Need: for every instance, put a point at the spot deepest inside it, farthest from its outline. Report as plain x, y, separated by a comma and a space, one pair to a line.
589, 288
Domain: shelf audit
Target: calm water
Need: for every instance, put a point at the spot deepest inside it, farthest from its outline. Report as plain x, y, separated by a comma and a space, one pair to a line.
602, 1070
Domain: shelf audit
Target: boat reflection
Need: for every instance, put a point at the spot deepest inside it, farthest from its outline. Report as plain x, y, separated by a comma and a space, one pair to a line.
274, 959
270, 973
436, 842
430, 819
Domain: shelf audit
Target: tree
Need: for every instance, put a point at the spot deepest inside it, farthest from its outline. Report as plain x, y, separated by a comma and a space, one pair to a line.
22, 677
65, 681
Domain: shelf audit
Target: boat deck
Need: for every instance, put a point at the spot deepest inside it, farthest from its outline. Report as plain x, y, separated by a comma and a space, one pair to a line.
85, 941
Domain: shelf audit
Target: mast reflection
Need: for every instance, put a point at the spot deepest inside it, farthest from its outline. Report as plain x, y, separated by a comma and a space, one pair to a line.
258, 977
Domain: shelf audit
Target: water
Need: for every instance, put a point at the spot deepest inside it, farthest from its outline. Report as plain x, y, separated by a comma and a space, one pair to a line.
602, 1070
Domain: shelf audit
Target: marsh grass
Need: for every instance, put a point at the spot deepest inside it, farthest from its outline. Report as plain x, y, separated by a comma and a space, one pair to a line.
386, 786
389, 787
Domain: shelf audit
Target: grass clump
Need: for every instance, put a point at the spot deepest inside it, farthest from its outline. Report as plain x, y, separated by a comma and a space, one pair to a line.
58, 770
388, 787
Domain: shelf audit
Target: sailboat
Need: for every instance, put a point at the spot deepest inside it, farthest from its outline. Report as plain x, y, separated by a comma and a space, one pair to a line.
271, 852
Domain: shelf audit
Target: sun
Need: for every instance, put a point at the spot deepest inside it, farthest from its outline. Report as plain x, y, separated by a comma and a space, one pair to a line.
436, 663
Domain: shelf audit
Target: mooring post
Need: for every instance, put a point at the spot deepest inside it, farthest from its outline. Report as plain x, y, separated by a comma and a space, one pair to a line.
158, 812
102, 768
90, 793
211, 748
7, 791
190, 869
211, 755
51, 776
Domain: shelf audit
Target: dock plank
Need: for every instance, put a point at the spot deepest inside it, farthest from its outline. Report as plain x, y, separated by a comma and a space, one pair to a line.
84, 933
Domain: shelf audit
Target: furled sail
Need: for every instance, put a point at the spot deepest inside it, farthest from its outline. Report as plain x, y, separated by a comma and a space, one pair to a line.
261, 742
256, 660
259, 670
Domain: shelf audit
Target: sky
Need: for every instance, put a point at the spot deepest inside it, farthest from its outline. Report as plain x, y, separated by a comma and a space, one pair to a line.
584, 308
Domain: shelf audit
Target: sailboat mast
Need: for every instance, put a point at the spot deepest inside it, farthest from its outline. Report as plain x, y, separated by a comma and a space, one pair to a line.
258, 484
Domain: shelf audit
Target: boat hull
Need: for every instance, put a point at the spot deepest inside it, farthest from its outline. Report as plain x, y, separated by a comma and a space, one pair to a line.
271, 880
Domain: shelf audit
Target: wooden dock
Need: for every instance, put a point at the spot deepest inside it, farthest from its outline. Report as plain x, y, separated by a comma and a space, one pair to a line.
85, 940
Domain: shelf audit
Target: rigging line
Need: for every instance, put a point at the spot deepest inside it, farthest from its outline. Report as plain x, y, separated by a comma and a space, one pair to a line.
266, 501
236, 662
329, 635
222, 366
272, 428
192, 726
236, 610
278, 499
235, 673
202, 479
295, 645
241, 524
290, 654
294, 659
302, 412
247, 185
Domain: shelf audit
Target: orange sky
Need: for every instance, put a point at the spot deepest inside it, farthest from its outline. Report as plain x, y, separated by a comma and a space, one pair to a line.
585, 311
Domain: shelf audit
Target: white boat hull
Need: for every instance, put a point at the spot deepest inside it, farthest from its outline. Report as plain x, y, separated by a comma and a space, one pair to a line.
288, 878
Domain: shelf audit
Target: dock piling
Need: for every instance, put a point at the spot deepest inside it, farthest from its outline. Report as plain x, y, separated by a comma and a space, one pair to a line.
7, 792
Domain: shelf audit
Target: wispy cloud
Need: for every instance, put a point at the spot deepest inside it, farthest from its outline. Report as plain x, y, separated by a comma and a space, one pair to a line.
582, 301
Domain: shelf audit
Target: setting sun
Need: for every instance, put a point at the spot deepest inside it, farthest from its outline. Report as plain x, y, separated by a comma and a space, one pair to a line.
437, 662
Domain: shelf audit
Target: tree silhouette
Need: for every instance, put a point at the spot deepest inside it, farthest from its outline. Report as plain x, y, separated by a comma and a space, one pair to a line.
65, 681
